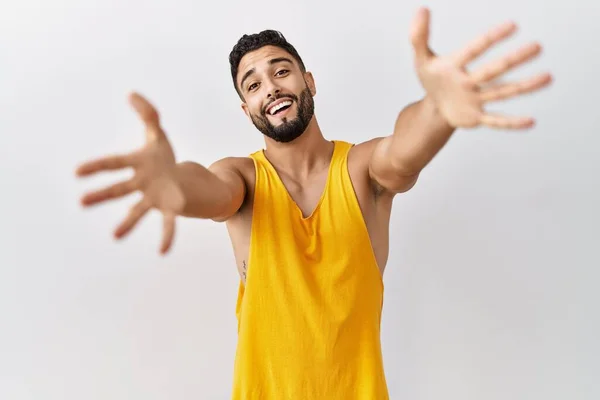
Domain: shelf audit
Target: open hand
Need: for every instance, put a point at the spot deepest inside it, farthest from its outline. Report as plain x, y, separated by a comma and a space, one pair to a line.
154, 166
459, 95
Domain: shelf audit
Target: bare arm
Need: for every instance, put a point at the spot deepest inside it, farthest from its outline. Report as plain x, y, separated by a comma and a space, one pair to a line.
174, 189
216, 192
419, 134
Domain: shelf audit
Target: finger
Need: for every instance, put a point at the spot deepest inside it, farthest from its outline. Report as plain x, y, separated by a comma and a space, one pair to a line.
419, 34
135, 214
480, 45
503, 122
144, 109
168, 232
148, 114
112, 192
508, 90
496, 68
109, 163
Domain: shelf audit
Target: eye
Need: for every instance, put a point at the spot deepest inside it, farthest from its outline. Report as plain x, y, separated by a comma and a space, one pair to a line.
253, 86
282, 72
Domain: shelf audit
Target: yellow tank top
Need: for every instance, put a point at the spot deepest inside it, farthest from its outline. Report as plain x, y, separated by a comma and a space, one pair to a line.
309, 314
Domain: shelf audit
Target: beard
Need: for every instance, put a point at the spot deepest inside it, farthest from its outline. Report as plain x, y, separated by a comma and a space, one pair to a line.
289, 129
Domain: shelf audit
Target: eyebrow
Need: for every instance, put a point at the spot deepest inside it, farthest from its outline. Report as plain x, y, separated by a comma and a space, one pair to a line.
271, 62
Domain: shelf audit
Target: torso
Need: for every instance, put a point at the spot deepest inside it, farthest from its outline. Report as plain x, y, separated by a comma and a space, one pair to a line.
376, 208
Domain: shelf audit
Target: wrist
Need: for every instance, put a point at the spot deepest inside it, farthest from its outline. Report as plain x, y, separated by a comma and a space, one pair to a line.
432, 110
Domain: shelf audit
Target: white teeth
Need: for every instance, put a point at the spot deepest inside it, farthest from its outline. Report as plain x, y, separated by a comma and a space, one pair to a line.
279, 106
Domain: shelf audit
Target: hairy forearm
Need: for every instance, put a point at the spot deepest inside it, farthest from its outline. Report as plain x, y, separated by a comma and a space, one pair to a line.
420, 133
206, 195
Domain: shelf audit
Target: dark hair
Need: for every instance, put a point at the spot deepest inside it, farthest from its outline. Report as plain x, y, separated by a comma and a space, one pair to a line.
248, 43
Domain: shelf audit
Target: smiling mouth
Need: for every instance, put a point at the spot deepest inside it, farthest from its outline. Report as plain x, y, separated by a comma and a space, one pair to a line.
280, 108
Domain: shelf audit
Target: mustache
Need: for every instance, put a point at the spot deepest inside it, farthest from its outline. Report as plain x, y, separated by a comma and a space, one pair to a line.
280, 96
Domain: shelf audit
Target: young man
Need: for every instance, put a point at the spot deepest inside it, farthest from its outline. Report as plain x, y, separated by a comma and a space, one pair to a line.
308, 217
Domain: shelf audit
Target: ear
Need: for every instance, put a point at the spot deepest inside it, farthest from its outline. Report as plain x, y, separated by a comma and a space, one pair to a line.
246, 111
310, 81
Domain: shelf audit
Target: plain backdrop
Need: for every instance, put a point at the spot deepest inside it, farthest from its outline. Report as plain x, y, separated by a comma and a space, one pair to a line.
490, 289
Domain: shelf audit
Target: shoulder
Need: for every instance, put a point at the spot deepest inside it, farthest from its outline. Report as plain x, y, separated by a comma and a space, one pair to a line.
243, 166
361, 152
238, 173
240, 169
359, 161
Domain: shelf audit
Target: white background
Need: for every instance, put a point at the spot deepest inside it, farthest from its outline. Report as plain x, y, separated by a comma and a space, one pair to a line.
491, 282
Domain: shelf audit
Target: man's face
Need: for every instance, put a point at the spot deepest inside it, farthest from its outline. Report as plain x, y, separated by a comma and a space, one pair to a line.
278, 97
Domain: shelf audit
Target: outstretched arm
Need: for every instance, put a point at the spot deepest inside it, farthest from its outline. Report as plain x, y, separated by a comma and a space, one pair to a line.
174, 189
454, 99
216, 192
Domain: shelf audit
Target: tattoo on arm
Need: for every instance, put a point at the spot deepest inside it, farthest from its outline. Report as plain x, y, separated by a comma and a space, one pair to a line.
244, 269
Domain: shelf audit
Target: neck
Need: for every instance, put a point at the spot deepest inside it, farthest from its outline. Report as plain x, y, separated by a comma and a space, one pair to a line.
307, 153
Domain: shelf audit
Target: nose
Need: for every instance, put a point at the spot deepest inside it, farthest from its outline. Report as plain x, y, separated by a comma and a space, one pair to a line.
273, 92
273, 88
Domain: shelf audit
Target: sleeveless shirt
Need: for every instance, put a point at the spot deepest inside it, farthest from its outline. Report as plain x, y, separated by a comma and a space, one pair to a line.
309, 313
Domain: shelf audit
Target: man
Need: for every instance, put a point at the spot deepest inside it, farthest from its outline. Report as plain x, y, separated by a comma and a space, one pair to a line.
311, 290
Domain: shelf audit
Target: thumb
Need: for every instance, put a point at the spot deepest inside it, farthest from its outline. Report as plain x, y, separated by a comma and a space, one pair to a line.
419, 35
148, 115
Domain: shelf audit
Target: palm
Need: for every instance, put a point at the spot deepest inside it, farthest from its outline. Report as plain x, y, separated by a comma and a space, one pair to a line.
460, 95
451, 89
154, 176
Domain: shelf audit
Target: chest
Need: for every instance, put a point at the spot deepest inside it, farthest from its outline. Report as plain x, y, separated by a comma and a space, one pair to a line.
305, 194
